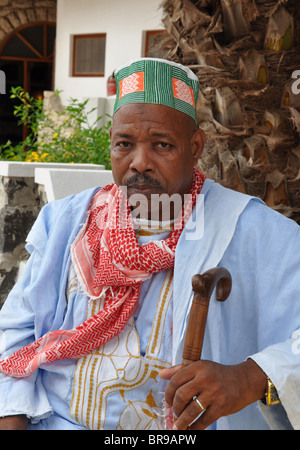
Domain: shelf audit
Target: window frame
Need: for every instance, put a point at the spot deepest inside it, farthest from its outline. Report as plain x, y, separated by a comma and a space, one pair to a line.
149, 34
77, 37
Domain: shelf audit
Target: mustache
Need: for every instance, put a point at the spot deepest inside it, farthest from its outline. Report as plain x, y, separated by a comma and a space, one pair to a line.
143, 179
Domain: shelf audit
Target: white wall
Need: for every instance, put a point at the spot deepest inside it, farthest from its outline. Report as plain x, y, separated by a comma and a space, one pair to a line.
122, 20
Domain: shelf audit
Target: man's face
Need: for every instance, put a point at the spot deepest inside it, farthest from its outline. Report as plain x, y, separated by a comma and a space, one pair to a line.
153, 150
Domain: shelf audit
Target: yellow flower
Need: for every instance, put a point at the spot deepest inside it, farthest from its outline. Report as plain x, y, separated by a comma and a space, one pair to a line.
55, 135
35, 157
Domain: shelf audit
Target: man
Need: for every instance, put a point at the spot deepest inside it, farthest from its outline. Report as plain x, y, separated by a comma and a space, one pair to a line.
100, 314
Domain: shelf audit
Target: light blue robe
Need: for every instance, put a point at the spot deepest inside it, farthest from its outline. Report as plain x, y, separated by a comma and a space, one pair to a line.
258, 246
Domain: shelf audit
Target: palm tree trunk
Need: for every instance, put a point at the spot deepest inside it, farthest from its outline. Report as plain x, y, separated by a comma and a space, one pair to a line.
246, 54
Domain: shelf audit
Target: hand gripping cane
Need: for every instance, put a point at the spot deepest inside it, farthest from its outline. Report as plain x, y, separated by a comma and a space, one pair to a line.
203, 286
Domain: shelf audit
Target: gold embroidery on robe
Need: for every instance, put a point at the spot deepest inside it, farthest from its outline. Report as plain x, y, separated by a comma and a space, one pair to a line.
116, 372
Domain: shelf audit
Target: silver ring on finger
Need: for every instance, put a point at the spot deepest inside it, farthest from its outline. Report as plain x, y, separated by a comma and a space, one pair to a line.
198, 403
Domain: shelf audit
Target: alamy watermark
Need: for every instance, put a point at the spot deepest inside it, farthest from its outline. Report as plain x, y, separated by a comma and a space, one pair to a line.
296, 84
296, 342
2, 82
2, 342
155, 211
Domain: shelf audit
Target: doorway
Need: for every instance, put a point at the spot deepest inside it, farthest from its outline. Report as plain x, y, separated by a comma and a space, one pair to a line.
27, 59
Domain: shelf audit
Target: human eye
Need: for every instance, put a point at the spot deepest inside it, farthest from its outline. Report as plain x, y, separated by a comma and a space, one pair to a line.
163, 145
123, 145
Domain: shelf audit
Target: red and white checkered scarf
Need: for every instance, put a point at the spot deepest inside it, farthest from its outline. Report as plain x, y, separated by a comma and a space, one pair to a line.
109, 262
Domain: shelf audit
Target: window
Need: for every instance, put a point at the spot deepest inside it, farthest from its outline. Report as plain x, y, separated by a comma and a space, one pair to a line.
30, 42
27, 59
88, 55
153, 41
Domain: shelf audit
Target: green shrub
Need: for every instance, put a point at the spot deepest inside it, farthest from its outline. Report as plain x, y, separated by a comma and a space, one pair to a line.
68, 137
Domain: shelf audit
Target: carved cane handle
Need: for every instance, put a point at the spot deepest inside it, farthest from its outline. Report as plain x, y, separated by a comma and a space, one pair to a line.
203, 286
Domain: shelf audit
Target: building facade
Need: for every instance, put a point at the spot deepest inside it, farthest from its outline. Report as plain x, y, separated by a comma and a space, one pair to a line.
111, 30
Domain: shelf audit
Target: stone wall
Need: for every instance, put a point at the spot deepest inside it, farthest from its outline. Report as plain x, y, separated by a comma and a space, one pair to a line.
24, 189
20, 202
15, 13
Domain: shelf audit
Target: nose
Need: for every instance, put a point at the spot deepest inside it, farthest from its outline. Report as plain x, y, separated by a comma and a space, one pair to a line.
141, 159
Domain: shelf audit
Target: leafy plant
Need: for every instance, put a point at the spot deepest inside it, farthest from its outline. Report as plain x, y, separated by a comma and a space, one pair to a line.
67, 137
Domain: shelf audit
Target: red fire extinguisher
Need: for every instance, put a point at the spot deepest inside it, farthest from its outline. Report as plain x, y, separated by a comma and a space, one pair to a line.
111, 86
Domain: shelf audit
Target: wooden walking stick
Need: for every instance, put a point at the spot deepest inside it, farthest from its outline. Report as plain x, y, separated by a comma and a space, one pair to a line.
203, 286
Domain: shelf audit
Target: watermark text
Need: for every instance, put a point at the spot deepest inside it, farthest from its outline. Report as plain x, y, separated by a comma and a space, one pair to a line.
156, 211
2, 82
296, 84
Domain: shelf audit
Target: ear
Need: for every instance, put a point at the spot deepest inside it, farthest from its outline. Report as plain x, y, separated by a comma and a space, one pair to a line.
198, 142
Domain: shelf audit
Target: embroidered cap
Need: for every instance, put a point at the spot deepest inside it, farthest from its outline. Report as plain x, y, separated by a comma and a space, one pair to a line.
153, 80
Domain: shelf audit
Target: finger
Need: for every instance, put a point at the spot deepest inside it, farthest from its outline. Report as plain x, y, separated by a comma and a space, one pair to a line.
209, 416
167, 374
188, 416
178, 386
183, 397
